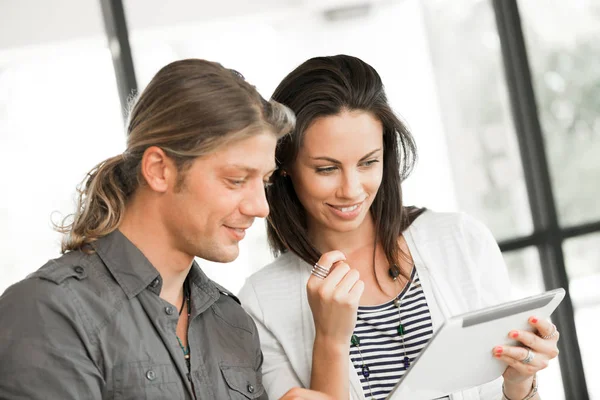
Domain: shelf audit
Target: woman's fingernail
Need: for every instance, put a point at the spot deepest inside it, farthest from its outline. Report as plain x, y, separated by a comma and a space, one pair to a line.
534, 320
514, 334
498, 350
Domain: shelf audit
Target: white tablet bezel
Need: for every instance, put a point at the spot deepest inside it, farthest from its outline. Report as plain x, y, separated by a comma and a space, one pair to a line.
459, 354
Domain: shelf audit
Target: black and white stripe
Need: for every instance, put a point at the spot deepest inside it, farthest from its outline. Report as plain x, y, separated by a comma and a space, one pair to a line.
381, 346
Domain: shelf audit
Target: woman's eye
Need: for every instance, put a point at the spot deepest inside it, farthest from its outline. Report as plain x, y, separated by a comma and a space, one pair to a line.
370, 162
325, 170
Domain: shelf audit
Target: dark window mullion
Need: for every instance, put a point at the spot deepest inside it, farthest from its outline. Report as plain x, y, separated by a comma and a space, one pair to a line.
118, 42
580, 230
534, 239
538, 238
547, 234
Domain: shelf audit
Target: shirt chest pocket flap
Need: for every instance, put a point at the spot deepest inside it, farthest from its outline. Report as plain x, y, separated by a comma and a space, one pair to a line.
243, 382
146, 379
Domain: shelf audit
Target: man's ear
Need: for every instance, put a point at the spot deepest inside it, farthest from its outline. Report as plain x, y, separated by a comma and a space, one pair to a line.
158, 170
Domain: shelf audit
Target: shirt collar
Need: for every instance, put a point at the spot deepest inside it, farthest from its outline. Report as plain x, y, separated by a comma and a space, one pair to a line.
134, 272
197, 277
128, 265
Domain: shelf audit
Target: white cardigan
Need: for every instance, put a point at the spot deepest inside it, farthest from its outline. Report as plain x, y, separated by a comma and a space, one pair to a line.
460, 267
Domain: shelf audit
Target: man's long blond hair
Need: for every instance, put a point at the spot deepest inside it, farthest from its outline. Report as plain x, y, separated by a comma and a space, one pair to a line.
190, 108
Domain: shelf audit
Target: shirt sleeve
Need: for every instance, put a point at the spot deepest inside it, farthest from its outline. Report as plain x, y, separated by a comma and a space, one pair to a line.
44, 353
278, 374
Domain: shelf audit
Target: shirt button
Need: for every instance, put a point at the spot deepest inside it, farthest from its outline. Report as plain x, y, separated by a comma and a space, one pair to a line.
78, 269
155, 282
151, 375
169, 310
250, 388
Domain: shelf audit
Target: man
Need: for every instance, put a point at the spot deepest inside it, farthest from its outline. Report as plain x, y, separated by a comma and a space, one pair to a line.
126, 312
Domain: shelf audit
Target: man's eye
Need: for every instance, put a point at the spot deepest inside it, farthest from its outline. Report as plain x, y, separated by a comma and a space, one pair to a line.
237, 182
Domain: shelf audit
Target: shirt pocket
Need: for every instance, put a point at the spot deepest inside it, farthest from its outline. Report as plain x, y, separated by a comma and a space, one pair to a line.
147, 380
242, 382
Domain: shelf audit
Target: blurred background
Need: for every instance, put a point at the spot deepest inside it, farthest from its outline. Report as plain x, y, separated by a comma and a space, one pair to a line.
502, 96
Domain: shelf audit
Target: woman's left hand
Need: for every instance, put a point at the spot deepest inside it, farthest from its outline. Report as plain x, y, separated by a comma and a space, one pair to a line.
522, 364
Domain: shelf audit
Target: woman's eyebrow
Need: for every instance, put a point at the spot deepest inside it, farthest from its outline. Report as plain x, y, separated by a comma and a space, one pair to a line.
334, 161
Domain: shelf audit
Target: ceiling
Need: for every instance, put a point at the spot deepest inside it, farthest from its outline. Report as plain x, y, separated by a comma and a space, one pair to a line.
38, 22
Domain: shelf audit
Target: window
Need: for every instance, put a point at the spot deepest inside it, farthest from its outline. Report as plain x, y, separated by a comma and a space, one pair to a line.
582, 256
480, 138
566, 78
525, 274
60, 115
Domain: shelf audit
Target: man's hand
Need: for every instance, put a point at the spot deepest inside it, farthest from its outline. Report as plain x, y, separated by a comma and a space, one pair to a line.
305, 394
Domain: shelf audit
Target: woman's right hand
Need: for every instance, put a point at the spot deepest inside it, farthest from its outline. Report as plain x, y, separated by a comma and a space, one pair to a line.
334, 300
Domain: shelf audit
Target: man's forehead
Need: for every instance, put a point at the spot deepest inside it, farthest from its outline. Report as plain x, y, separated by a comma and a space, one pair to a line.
252, 154
250, 168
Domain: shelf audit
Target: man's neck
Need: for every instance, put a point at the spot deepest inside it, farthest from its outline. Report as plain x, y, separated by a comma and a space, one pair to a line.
153, 240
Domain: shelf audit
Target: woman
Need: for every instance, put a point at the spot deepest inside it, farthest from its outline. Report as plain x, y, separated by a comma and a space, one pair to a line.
384, 276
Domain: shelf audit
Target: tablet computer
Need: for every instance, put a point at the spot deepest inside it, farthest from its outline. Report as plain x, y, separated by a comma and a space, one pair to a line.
459, 355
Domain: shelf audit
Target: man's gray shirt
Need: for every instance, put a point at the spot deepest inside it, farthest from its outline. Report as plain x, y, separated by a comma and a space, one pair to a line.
92, 326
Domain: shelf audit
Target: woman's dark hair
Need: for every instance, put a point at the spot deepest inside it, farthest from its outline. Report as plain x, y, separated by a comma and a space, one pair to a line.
326, 86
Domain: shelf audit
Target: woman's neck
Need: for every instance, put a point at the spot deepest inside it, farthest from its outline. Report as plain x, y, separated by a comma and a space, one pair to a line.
349, 242
357, 245
368, 257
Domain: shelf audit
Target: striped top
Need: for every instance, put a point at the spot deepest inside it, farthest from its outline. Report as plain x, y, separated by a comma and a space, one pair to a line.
381, 345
